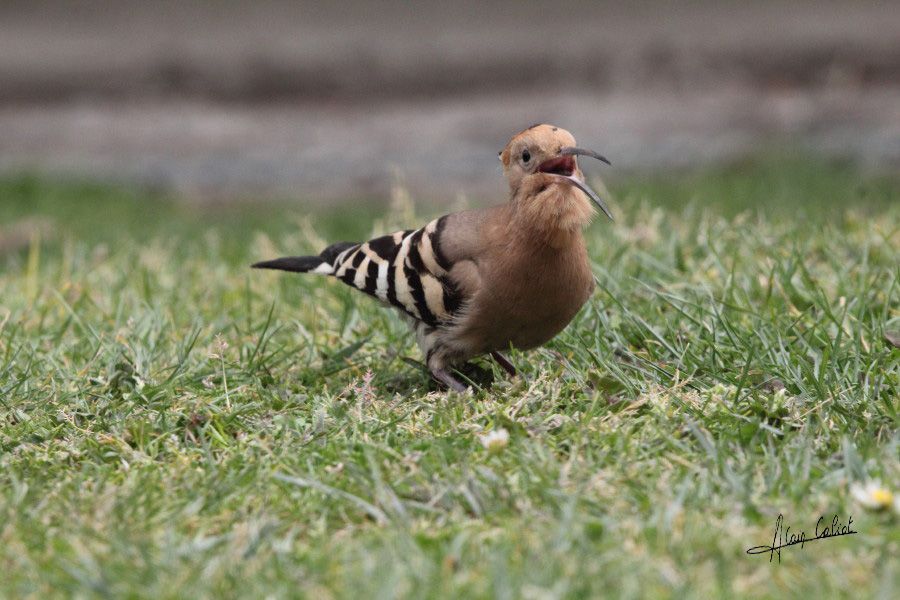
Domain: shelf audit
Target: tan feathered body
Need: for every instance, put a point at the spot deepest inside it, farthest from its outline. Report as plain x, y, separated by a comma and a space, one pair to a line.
528, 275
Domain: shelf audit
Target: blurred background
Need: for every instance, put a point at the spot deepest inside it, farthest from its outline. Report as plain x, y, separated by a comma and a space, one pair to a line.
322, 102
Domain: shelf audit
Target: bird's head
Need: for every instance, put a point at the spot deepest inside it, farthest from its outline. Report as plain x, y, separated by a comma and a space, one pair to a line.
547, 155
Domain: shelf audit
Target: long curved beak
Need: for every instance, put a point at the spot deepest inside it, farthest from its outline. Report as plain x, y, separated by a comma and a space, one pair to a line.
587, 190
573, 151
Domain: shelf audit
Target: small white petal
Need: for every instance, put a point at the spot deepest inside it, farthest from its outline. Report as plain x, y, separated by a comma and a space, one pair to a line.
495, 440
858, 492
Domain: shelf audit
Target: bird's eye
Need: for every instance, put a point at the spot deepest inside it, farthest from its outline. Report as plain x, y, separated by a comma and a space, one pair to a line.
526, 156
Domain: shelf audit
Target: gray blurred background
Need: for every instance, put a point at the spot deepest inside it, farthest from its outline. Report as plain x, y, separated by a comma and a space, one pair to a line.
325, 101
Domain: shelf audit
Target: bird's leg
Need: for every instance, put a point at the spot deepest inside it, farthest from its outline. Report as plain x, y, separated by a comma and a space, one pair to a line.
436, 357
504, 362
443, 376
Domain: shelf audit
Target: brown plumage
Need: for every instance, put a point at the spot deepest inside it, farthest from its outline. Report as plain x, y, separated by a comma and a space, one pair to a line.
480, 281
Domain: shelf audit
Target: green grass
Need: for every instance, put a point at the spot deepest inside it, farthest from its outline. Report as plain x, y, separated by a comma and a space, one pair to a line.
173, 424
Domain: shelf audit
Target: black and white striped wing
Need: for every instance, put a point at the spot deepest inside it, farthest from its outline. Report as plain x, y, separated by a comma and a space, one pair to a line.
405, 269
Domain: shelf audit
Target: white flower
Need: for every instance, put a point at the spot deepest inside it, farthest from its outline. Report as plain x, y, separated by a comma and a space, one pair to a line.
495, 440
873, 495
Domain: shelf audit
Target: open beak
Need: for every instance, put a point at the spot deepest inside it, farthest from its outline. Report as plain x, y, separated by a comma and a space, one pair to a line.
552, 168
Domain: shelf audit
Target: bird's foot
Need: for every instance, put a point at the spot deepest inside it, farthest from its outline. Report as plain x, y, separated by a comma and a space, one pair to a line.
443, 376
504, 362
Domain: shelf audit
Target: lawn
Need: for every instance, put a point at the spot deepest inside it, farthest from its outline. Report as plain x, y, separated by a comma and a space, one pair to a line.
173, 424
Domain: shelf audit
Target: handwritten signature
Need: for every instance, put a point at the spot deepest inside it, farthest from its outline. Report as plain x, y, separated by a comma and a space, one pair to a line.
784, 538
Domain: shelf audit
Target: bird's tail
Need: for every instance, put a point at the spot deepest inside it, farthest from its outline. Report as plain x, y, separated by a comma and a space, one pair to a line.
323, 263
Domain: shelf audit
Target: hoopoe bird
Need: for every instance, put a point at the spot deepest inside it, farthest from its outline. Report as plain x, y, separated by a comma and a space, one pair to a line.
481, 281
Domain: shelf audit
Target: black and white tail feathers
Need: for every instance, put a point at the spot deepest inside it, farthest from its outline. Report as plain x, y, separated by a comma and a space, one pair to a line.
323, 263
405, 269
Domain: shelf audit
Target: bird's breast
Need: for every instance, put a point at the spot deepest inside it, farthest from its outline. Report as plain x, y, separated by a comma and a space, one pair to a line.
528, 295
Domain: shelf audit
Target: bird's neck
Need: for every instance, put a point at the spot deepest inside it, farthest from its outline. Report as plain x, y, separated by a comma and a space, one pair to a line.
549, 212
